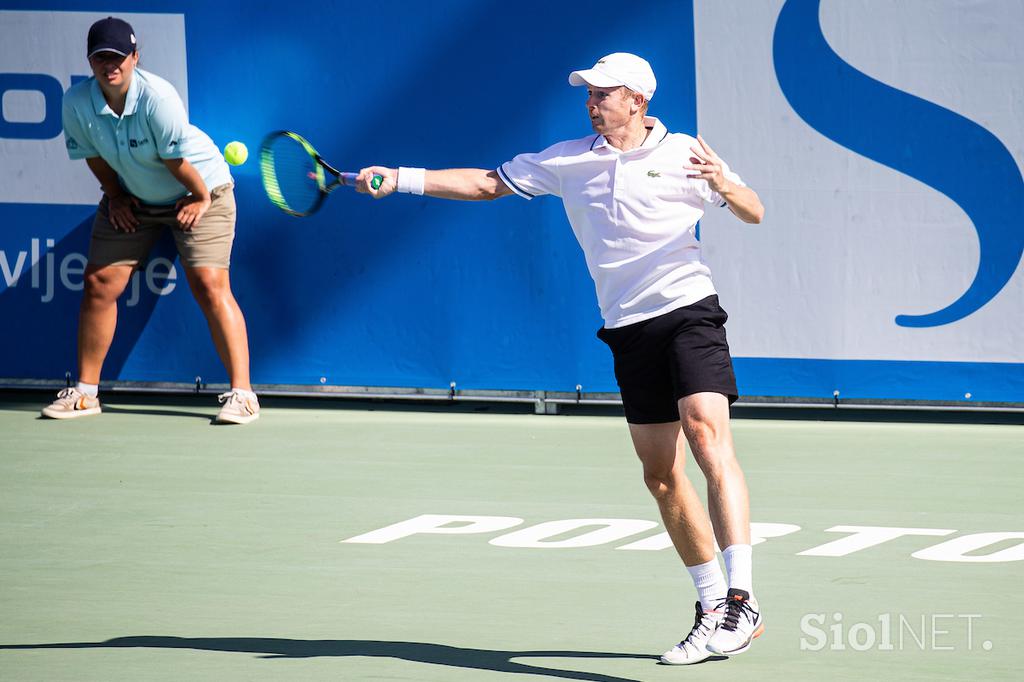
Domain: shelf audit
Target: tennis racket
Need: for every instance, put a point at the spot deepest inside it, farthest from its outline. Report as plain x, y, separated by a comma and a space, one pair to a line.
293, 174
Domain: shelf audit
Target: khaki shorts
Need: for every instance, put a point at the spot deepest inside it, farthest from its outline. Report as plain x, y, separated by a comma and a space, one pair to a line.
208, 244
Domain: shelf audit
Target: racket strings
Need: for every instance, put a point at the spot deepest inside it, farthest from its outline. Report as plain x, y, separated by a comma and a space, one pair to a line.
292, 177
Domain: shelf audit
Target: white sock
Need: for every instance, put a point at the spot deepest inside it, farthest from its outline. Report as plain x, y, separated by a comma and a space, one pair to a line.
91, 390
710, 583
739, 566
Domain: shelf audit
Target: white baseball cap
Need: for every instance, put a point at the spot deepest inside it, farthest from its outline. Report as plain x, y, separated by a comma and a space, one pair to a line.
619, 68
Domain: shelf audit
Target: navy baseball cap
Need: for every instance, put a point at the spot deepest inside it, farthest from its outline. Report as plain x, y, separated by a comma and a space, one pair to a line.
111, 35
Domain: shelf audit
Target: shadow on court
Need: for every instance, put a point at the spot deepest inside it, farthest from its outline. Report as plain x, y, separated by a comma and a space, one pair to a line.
416, 652
209, 415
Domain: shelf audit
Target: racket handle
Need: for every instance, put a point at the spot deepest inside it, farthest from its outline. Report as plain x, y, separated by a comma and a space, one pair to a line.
349, 179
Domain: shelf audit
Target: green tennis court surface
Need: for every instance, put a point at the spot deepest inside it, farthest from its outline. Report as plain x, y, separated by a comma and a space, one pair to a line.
146, 544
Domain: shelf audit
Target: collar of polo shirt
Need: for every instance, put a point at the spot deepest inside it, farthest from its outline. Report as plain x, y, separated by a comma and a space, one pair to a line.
658, 133
131, 100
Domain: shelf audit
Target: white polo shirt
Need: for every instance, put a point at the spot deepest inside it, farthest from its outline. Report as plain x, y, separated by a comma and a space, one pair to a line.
634, 214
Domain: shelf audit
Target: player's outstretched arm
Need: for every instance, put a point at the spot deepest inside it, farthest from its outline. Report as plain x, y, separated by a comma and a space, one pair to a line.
463, 184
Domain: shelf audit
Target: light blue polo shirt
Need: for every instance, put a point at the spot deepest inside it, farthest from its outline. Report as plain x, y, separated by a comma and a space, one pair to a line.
153, 126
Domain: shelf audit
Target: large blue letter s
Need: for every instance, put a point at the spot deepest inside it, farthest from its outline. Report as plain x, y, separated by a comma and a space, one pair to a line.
939, 147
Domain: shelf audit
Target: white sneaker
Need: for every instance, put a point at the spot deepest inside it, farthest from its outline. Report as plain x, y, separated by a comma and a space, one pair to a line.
741, 624
239, 408
71, 404
693, 648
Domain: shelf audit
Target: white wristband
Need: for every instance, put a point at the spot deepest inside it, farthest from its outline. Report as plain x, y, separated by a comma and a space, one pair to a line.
410, 180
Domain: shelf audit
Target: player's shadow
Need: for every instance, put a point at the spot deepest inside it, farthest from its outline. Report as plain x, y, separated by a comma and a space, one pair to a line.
416, 652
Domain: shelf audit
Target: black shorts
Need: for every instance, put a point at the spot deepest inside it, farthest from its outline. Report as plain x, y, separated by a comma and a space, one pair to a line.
660, 360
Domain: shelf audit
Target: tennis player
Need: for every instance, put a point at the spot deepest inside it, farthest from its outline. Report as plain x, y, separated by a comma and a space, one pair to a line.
633, 193
157, 171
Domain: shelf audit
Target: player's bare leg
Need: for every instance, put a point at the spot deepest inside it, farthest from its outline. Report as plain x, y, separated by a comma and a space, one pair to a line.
662, 451
705, 421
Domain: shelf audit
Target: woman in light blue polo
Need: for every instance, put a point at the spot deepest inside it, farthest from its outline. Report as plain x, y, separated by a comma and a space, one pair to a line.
157, 172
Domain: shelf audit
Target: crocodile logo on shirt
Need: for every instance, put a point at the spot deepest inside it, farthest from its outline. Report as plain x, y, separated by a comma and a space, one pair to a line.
653, 174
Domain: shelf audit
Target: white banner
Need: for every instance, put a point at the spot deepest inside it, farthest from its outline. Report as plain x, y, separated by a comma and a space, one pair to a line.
848, 243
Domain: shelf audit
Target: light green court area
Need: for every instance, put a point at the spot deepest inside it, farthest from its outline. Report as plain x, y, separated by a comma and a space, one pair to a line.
146, 544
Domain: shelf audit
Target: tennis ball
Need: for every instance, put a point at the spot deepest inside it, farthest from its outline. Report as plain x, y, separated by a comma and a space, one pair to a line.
235, 153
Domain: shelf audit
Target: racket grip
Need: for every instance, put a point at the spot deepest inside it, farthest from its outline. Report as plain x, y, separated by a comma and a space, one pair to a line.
349, 179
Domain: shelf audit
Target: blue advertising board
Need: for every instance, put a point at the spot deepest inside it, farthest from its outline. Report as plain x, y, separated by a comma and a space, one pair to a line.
419, 292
